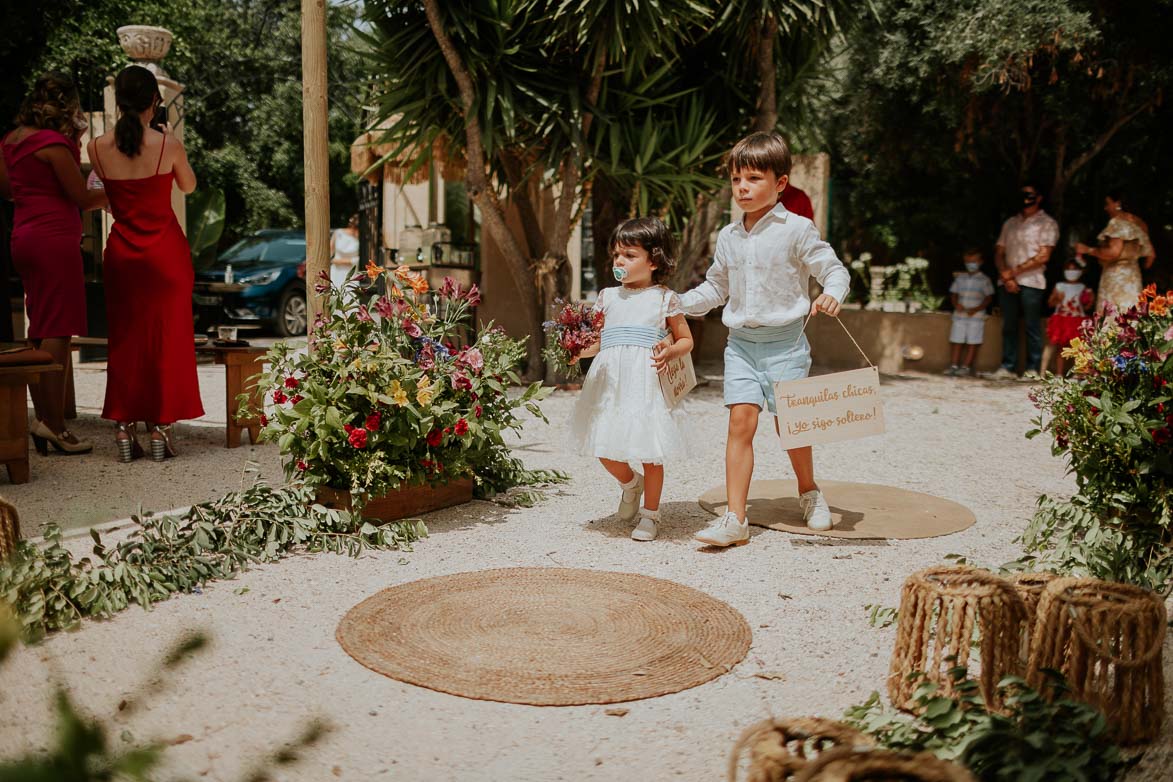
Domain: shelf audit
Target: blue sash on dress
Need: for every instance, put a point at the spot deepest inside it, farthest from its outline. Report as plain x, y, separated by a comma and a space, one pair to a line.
640, 336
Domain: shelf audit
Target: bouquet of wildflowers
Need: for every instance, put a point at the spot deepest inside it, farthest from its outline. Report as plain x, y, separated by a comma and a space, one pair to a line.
389, 393
573, 334
1113, 421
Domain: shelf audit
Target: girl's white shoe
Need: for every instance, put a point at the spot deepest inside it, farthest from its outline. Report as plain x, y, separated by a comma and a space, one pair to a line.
647, 527
815, 512
633, 492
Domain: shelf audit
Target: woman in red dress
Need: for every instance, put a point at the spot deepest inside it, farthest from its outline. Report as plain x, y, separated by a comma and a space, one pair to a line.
151, 371
40, 171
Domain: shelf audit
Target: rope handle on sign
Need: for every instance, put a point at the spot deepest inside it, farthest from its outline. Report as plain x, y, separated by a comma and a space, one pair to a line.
845, 331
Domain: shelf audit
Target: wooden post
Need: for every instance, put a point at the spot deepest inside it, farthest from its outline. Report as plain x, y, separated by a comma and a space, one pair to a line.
316, 139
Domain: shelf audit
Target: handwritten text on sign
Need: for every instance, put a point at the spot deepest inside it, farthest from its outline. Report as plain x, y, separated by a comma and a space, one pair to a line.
678, 378
829, 408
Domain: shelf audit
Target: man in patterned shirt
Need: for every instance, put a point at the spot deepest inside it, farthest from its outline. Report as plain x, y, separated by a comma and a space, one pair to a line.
1021, 255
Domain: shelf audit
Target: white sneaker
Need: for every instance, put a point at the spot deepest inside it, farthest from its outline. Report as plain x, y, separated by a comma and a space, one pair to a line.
815, 512
629, 502
725, 531
1001, 373
647, 527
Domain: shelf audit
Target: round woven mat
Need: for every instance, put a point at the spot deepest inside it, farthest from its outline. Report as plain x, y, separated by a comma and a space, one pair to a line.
546, 636
858, 510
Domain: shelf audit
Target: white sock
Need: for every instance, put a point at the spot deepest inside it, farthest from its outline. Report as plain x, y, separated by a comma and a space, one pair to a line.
654, 515
632, 483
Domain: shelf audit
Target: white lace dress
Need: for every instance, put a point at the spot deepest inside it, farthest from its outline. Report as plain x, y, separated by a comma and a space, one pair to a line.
621, 413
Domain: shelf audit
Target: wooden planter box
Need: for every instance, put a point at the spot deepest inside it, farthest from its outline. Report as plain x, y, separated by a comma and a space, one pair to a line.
403, 503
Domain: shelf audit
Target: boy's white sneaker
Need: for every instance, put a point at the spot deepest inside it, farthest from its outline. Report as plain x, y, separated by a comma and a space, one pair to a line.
725, 531
633, 492
647, 527
815, 512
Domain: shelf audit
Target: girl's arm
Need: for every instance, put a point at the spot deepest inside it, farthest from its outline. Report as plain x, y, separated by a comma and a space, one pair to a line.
69, 176
1055, 297
185, 178
661, 355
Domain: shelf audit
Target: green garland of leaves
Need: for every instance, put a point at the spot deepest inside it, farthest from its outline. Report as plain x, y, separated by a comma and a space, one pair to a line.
1043, 735
49, 590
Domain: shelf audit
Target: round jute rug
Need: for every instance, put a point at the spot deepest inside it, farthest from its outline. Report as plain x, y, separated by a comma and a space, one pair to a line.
546, 636
858, 510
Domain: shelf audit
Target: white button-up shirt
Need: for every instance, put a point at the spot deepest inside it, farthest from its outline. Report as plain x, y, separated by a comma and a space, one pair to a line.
1022, 238
764, 273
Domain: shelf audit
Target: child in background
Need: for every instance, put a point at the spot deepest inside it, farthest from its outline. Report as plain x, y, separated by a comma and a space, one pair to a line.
1071, 301
621, 416
972, 292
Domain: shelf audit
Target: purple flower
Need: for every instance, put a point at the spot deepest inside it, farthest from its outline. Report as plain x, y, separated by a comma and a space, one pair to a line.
364, 315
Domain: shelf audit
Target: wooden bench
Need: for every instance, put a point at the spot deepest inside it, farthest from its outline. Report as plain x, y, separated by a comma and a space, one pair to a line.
241, 365
14, 420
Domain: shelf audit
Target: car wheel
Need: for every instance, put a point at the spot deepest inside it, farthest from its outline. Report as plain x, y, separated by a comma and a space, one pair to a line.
293, 316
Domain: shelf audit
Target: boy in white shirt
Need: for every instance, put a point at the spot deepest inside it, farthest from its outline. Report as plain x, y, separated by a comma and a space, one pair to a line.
762, 265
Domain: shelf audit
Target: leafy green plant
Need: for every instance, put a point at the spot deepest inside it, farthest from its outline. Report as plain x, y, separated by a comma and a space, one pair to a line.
1042, 735
82, 750
206, 209
1112, 420
384, 397
49, 590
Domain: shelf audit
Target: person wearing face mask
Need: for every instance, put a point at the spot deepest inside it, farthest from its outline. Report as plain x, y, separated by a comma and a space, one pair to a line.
1021, 255
1123, 242
972, 292
1071, 301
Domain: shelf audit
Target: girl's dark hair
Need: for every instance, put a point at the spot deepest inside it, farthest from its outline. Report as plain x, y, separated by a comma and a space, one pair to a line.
135, 90
1118, 195
653, 236
52, 104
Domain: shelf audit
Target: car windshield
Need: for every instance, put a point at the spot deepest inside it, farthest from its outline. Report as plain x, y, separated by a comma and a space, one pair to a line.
266, 248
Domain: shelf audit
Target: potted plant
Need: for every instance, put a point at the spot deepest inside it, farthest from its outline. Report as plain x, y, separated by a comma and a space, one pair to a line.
392, 408
1113, 422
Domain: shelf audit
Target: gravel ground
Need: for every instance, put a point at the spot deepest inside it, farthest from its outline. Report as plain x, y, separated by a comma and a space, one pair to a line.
274, 662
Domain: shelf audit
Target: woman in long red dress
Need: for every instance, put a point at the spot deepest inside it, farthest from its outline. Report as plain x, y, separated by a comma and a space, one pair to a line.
151, 371
40, 171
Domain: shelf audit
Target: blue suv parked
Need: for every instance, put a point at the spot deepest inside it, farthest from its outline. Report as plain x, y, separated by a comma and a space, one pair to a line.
266, 285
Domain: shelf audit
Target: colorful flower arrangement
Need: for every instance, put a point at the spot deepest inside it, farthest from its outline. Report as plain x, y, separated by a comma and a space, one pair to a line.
573, 334
392, 391
1113, 421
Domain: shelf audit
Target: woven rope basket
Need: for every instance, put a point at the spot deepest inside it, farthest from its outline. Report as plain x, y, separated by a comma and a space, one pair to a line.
1106, 639
9, 529
844, 765
1030, 588
944, 612
781, 748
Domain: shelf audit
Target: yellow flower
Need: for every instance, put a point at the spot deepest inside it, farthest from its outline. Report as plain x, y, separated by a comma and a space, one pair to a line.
1079, 351
398, 393
424, 391
1159, 305
418, 284
339, 345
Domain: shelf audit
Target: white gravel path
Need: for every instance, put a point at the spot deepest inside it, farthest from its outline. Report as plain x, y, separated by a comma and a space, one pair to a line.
274, 661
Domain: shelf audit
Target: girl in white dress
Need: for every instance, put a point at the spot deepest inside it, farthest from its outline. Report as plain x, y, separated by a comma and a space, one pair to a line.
621, 416
344, 253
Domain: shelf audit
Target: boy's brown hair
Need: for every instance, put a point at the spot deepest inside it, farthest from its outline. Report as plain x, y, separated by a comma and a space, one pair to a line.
654, 237
762, 152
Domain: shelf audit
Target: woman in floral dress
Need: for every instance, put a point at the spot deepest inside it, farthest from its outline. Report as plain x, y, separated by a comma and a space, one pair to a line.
1123, 243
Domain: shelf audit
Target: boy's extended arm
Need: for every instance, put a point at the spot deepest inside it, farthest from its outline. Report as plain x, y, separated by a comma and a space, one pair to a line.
824, 265
713, 292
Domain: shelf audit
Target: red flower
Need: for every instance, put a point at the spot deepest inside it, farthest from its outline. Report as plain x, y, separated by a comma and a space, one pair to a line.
293, 400
473, 297
461, 428
302, 466
264, 420
461, 381
358, 438
477, 411
412, 329
372, 422
292, 382
363, 314
435, 437
278, 397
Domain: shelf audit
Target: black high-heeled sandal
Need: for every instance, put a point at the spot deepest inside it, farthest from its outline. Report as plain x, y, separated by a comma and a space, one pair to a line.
161, 446
129, 448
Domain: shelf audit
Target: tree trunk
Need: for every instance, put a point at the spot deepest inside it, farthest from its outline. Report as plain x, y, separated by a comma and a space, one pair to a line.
767, 119
608, 210
316, 137
485, 197
695, 250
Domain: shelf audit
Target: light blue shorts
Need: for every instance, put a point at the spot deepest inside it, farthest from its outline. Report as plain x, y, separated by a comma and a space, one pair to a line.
757, 358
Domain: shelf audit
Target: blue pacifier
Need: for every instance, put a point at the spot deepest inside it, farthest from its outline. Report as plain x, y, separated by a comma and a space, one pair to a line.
619, 272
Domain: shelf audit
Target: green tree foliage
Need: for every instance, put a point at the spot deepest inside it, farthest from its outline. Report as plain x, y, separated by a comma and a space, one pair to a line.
946, 107
241, 63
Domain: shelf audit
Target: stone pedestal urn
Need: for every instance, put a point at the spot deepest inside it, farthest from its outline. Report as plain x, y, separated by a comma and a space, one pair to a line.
144, 44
